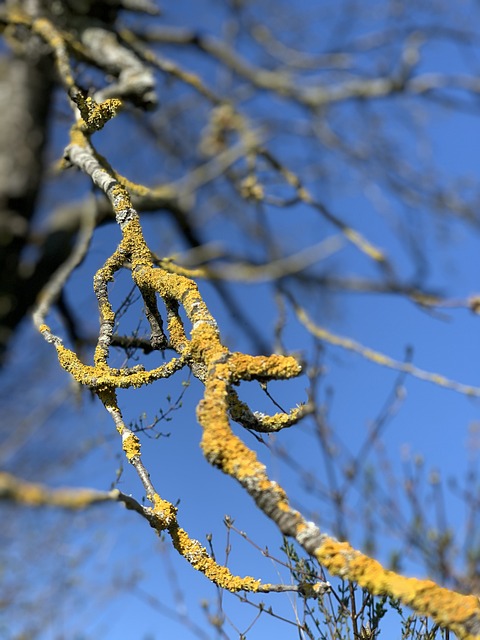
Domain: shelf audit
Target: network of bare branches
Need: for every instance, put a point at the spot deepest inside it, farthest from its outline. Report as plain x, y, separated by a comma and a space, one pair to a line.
166, 158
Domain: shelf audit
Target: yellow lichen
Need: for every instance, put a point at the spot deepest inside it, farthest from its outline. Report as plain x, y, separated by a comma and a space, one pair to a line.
166, 511
219, 369
198, 557
219, 444
78, 136
131, 445
229, 453
424, 596
35, 495
133, 236
97, 115
273, 367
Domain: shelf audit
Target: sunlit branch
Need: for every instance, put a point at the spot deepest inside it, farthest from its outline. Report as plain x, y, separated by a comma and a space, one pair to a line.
380, 358
194, 335
32, 494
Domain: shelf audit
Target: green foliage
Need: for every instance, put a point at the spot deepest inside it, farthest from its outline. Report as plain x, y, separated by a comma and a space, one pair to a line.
347, 612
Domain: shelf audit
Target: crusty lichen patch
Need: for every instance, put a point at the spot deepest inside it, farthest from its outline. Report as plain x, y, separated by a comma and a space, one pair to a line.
201, 348
131, 445
164, 510
165, 519
424, 596
198, 557
34, 495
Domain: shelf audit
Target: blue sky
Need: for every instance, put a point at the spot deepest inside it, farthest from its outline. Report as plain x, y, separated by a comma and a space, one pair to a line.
433, 423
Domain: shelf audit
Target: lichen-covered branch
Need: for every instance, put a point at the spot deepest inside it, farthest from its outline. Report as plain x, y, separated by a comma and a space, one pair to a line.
380, 358
33, 494
199, 344
219, 369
